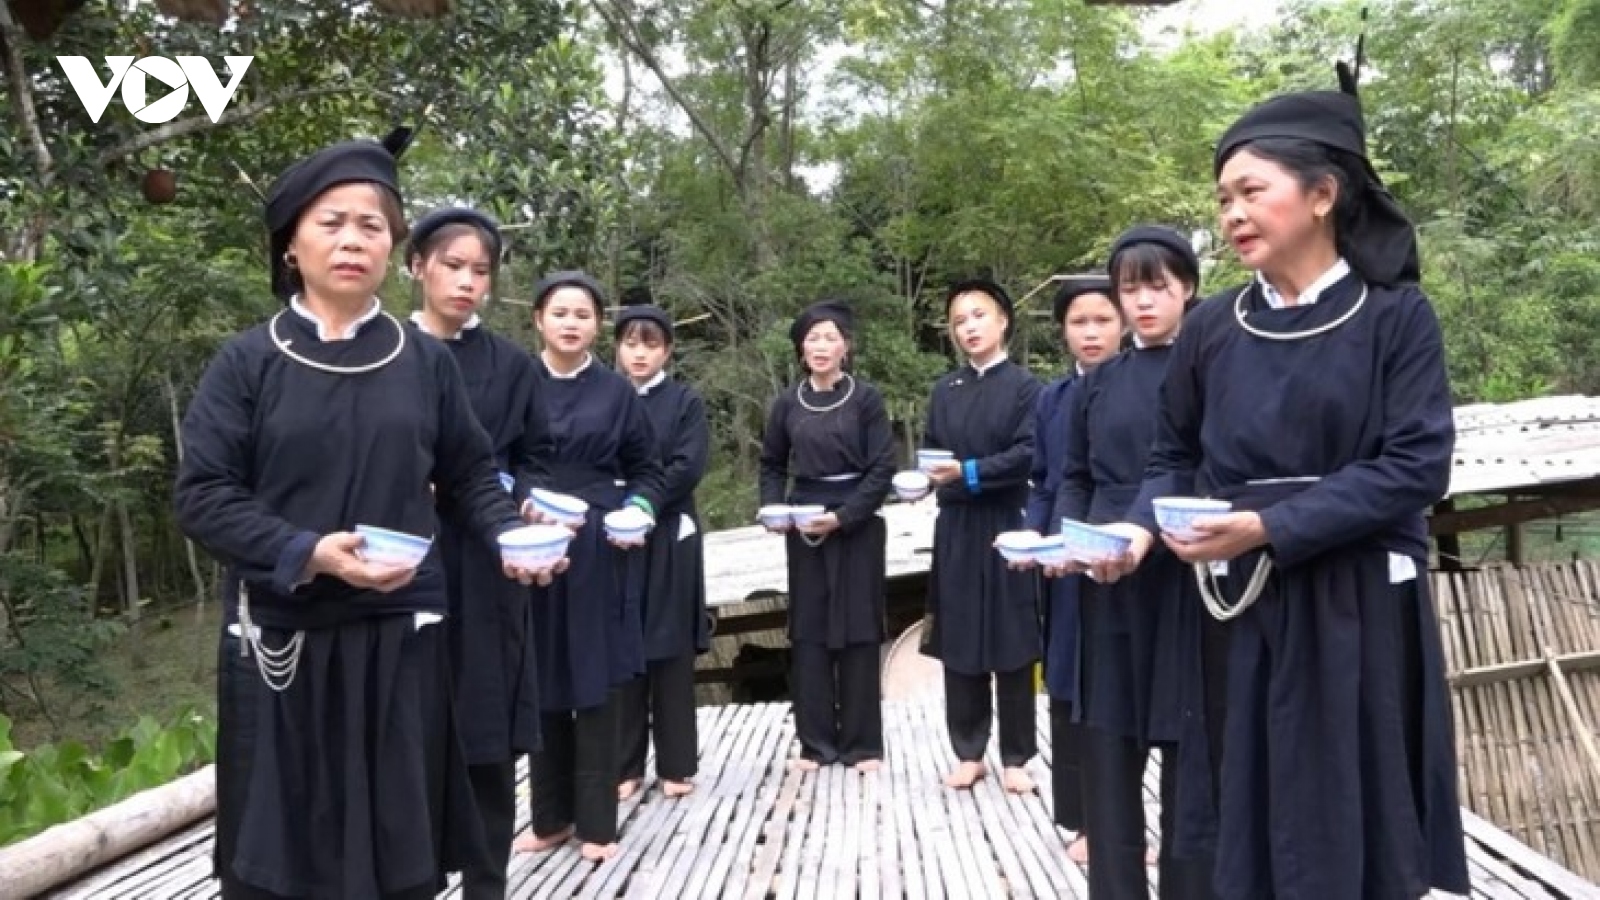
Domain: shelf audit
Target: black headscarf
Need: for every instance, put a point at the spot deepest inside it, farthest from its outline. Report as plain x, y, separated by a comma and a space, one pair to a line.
306, 180
1380, 243
836, 311
425, 227
984, 285
643, 312
1073, 288
568, 278
1162, 236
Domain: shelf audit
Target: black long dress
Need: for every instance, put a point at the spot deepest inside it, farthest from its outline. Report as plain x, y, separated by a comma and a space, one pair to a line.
349, 781
1337, 756
497, 687
985, 616
671, 576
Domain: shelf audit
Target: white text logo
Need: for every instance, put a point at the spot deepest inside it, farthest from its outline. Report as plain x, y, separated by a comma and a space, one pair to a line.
133, 74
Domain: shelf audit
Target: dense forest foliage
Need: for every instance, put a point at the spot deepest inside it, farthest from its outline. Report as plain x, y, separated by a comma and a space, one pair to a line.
741, 158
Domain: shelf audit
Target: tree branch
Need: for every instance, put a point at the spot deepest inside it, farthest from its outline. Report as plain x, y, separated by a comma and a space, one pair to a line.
11, 47
621, 27
193, 124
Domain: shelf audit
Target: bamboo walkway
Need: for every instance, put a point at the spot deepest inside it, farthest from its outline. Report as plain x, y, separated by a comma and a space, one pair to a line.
755, 829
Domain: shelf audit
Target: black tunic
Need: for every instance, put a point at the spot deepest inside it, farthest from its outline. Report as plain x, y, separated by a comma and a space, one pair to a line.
315, 781
496, 676
673, 562
1061, 631
589, 625
985, 616
1338, 760
1140, 635
836, 589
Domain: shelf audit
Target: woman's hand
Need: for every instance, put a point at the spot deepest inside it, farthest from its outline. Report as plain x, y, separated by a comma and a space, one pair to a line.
824, 524
336, 555
1222, 538
942, 473
540, 577
1110, 571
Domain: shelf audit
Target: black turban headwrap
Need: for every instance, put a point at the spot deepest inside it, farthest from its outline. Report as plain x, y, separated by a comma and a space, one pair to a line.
306, 180
644, 312
1162, 236
568, 278
425, 227
1379, 242
836, 311
1073, 288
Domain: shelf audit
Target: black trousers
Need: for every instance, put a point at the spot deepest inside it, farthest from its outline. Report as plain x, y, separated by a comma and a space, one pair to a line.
574, 778
659, 704
494, 787
838, 702
1066, 766
1113, 793
969, 708
233, 889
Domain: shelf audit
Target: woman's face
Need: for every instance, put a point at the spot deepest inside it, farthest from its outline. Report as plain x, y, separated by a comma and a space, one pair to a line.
824, 348
1092, 329
642, 356
455, 278
1267, 213
568, 322
1155, 308
341, 244
977, 324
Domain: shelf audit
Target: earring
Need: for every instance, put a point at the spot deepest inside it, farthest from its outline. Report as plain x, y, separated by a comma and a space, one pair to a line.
290, 260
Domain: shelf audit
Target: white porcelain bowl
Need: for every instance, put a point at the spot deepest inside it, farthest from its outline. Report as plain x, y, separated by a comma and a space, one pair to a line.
911, 486
535, 546
1019, 546
1090, 544
565, 509
1177, 515
801, 516
928, 458
392, 548
1052, 551
774, 516
628, 525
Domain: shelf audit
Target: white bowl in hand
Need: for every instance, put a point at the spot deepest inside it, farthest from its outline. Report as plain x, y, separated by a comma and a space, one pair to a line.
803, 516
1091, 544
774, 516
912, 486
927, 458
1177, 516
535, 547
392, 548
627, 525
563, 509
1019, 546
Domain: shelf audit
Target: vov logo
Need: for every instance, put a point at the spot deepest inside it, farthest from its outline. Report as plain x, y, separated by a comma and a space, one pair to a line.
133, 76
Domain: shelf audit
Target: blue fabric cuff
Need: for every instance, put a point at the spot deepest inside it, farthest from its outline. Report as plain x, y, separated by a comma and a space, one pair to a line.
970, 470
643, 504
289, 574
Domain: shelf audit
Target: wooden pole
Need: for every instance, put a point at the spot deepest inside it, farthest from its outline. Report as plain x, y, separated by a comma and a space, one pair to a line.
71, 849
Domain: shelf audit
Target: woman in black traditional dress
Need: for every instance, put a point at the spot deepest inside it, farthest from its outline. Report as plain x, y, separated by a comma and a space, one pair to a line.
339, 768
660, 703
453, 255
830, 434
1140, 636
1090, 324
1315, 399
589, 626
985, 616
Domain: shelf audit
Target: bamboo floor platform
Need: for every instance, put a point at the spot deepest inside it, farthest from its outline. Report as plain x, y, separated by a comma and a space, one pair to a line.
756, 829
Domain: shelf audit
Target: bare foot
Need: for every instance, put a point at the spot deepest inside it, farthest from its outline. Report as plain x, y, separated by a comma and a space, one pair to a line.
627, 788
1078, 849
533, 843
675, 789
869, 765
805, 765
1151, 856
598, 852
1017, 780
965, 775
